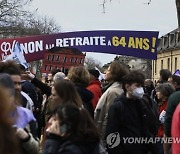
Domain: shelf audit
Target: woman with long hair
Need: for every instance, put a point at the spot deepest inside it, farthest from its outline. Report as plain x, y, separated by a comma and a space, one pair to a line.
71, 131
63, 92
8, 140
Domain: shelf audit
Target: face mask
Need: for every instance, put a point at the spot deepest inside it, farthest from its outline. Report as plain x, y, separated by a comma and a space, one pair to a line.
138, 92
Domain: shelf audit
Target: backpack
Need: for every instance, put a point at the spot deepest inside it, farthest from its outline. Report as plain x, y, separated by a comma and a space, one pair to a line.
150, 109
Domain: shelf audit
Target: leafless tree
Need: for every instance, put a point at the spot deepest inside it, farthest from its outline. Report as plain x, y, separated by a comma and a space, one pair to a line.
30, 25
17, 21
91, 63
11, 10
45, 25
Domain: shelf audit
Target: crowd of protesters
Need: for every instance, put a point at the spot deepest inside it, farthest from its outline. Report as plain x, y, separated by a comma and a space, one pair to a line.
76, 113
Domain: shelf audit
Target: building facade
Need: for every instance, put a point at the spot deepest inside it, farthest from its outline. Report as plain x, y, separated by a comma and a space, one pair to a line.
134, 63
168, 54
62, 58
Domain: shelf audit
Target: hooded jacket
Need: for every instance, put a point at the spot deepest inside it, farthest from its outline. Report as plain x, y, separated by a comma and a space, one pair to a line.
86, 97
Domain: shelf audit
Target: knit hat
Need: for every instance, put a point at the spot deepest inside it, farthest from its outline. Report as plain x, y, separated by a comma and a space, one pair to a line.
94, 72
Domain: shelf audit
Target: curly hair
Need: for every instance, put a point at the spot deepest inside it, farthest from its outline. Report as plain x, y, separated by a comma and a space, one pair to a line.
79, 75
165, 89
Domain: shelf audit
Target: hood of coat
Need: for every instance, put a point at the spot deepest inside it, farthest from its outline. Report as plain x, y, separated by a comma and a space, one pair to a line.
95, 82
85, 94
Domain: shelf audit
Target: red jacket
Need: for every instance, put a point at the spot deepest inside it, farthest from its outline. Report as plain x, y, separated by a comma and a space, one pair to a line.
161, 128
175, 130
95, 88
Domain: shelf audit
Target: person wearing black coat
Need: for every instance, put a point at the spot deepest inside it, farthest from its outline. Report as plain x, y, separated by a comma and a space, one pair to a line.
80, 77
126, 118
71, 131
86, 96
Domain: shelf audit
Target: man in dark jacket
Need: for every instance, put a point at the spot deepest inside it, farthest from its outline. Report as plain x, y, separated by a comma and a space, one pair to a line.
126, 117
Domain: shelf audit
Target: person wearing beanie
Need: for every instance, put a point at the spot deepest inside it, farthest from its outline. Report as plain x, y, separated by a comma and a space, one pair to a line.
94, 86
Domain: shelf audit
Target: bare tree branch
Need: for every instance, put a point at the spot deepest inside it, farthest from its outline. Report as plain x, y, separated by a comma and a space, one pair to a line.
104, 3
148, 3
10, 10
15, 21
91, 63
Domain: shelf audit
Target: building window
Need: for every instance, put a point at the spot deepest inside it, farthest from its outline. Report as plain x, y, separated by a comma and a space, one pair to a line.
71, 59
175, 62
45, 67
161, 64
63, 69
76, 60
168, 63
65, 58
52, 57
155, 69
48, 57
57, 58
81, 61
50, 68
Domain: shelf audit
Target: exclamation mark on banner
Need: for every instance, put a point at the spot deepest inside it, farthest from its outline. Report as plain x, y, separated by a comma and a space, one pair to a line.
153, 44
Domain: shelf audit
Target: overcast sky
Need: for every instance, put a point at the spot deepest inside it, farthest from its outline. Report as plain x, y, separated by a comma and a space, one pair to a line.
75, 15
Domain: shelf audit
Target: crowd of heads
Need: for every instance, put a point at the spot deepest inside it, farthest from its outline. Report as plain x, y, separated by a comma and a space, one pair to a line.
68, 109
